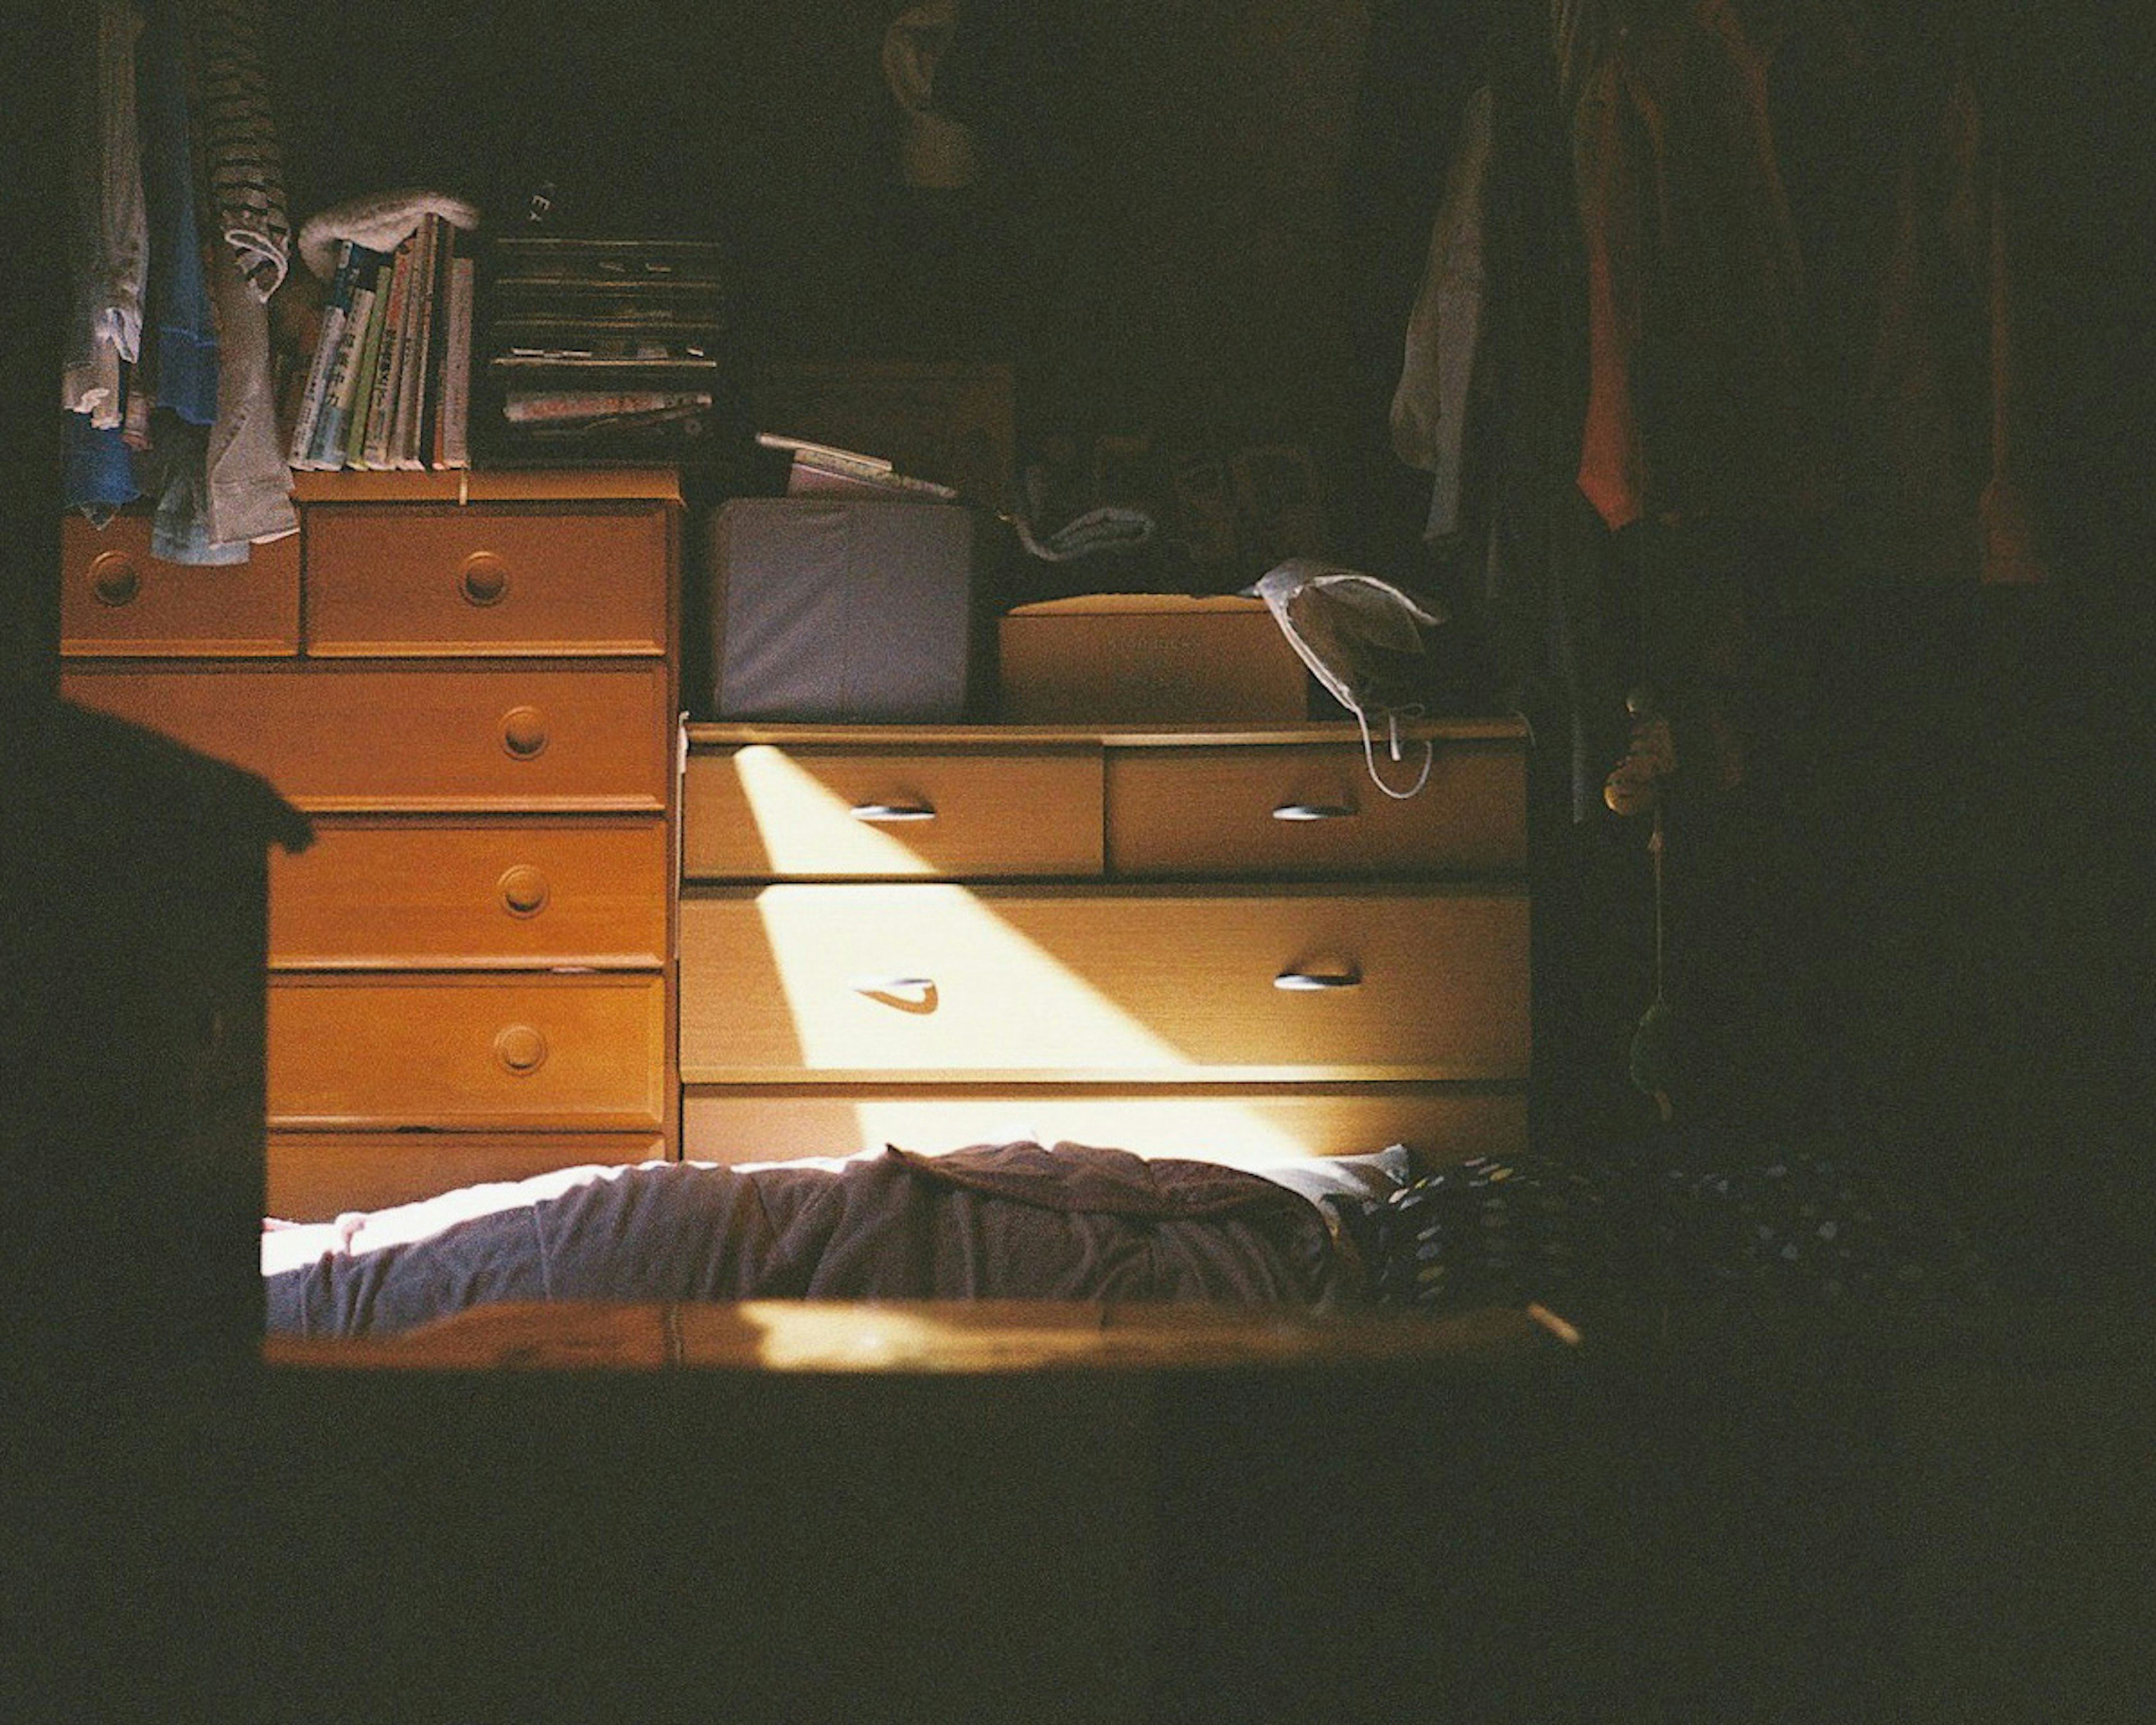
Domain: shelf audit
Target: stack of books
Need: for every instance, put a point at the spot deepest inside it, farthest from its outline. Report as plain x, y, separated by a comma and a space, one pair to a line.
600, 348
390, 382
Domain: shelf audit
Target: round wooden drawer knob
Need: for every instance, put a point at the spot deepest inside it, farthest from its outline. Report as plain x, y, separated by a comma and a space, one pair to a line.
524, 733
114, 578
520, 1048
523, 891
484, 578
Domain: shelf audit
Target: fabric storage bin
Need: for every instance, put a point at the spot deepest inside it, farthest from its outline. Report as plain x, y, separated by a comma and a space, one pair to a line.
841, 609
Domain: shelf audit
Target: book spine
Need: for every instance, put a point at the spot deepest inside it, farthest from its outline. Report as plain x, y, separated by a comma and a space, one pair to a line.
355, 435
411, 384
437, 329
335, 304
381, 406
327, 449
456, 367
346, 378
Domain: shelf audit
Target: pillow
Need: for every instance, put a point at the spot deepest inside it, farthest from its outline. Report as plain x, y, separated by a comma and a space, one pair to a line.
1372, 1176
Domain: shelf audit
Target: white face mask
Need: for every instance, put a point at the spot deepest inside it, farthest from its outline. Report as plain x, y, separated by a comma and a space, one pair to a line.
1362, 639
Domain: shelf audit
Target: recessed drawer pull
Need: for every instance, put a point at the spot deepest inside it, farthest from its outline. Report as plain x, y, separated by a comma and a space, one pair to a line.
884, 813
1310, 981
524, 733
484, 578
524, 890
520, 1048
1313, 811
114, 579
916, 992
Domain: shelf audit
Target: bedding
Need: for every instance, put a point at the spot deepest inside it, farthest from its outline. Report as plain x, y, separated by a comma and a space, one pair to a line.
1006, 1221
1788, 1218
1690, 1217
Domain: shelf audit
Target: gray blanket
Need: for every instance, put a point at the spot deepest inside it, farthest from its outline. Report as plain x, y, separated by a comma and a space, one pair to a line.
1008, 1221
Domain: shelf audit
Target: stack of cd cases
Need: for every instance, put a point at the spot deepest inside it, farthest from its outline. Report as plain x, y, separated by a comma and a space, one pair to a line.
596, 351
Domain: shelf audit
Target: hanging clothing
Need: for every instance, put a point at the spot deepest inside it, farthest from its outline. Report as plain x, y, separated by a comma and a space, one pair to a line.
1798, 287
97, 468
247, 480
183, 344
176, 470
240, 142
1429, 418
109, 249
1927, 486
1700, 402
1543, 580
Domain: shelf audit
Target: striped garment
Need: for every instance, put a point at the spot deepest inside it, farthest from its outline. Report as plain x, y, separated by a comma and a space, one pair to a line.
239, 139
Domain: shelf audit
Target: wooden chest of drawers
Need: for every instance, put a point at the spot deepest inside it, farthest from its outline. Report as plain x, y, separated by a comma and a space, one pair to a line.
1186, 942
468, 682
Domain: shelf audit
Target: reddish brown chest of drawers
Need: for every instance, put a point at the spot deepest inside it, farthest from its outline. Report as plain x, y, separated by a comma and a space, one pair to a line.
468, 682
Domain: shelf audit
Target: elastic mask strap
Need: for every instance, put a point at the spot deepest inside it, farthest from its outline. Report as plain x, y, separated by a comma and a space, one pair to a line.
1370, 755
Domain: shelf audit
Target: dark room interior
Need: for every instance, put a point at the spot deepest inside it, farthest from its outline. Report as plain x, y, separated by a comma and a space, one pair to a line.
1896, 895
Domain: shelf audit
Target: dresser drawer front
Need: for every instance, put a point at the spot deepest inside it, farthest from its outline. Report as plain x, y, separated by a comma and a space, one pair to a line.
316, 1176
473, 894
116, 598
341, 737
1247, 1126
447, 581
1313, 810
759, 811
930, 980
410, 1050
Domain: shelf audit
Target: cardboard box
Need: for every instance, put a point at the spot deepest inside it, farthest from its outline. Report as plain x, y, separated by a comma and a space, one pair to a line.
1149, 659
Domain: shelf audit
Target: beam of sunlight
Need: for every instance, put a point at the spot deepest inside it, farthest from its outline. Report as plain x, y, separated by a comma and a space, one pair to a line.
858, 985
885, 985
1237, 1131
806, 828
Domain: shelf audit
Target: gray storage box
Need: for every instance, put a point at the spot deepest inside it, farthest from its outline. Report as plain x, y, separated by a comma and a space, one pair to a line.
841, 609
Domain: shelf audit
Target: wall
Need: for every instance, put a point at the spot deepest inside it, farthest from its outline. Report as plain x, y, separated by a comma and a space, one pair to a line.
1156, 217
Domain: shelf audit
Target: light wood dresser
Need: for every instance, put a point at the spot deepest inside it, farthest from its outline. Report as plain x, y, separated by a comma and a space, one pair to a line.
1191, 940
469, 683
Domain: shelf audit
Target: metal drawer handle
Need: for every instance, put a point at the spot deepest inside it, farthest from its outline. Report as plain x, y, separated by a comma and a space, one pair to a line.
1310, 982
524, 733
484, 578
886, 812
114, 579
520, 1048
914, 994
1313, 811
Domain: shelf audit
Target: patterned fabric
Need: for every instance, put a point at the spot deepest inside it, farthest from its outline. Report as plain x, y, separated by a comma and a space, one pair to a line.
1486, 1232
239, 140
1806, 1223
1698, 1216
